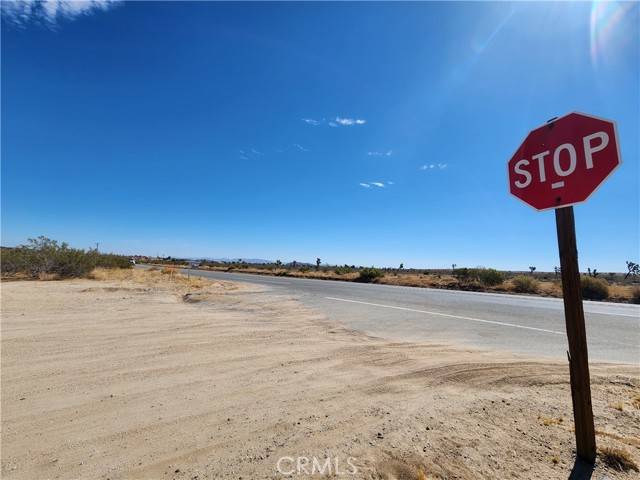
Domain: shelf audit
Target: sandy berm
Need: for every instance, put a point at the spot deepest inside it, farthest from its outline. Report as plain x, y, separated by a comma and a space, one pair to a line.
153, 376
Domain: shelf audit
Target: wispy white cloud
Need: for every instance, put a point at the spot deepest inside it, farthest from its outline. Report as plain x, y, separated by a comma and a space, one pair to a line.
50, 12
295, 146
433, 166
387, 153
337, 122
300, 147
349, 121
374, 184
251, 153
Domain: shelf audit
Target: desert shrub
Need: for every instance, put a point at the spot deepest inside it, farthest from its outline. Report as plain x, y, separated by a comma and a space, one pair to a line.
342, 270
594, 288
488, 276
617, 459
304, 269
369, 274
525, 284
635, 295
14, 260
42, 256
462, 274
110, 260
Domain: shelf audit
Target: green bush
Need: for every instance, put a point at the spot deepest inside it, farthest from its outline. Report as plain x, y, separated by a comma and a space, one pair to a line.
525, 284
594, 288
462, 274
45, 256
369, 274
304, 269
110, 260
343, 270
487, 277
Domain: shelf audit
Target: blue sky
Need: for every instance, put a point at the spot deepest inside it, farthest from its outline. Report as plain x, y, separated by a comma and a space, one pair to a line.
362, 133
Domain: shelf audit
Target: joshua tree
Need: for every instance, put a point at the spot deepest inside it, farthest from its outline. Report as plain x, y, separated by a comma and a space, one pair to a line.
278, 263
633, 269
533, 269
557, 271
294, 264
592, 273
401, 266
318, 263
453, 267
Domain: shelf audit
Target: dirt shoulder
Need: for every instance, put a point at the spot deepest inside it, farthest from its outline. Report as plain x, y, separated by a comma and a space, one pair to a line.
150, 376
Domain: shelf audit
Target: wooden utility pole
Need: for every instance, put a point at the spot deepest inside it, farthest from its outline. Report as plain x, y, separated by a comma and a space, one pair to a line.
576, 334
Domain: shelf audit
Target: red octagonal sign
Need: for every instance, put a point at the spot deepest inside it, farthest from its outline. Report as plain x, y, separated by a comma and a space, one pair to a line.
564, 161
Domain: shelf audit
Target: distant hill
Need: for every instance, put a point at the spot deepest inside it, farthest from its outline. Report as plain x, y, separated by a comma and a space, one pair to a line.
235, 260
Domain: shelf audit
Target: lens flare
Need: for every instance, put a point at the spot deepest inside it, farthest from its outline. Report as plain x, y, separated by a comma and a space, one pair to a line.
605, 17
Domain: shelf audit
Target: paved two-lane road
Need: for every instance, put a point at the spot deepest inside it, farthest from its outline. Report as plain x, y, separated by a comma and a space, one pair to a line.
522, 324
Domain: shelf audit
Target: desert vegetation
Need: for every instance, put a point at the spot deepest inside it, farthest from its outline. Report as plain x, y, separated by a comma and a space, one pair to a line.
594, 288
618, 459
486, 277
367, 275
43, 258
525, 284
596, 285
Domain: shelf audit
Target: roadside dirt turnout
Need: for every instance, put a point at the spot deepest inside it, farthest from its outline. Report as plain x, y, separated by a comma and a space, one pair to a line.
148, 375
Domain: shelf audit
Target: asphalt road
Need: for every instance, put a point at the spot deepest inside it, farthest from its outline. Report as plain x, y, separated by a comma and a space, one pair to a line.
521, 324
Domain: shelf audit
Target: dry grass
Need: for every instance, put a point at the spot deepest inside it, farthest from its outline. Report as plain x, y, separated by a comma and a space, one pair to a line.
618, 406
548, 421
635, 401
618, 459
166, 278
401, 469
550, 289
418, 280
633, 441
621, 292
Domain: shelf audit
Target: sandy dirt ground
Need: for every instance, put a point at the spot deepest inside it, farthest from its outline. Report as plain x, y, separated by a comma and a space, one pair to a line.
133, 377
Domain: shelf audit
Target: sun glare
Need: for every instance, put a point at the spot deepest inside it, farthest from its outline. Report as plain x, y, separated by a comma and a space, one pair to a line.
606, 22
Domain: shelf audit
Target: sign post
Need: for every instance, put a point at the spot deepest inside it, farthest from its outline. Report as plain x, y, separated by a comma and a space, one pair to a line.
576, 335
557, 166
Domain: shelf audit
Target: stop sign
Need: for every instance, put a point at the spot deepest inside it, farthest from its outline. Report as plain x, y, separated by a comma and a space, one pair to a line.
563, 162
